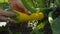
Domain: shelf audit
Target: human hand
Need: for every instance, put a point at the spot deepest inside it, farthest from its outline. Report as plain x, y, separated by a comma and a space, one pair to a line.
18, 5
5, 16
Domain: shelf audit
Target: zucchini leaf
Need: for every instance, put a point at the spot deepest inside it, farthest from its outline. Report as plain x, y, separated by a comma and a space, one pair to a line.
56, 26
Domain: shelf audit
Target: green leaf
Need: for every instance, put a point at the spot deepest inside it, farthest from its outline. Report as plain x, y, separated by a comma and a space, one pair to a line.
55, 23
41, 3
50, 19
36, 30
31, 3
57, 2
30, 8
56, 26
3, 1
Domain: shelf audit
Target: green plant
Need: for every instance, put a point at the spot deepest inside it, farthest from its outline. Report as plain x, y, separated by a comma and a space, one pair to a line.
50, 22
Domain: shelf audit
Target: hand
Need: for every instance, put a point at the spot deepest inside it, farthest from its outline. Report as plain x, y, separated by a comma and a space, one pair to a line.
5, 16
18, 5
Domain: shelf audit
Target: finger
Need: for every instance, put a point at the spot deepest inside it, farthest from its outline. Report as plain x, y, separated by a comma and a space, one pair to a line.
5, 19
6, 13
18, 5
12, 20
21, 7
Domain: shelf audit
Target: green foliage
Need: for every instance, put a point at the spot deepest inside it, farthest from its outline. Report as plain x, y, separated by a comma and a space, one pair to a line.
35, 6
32, 5
57, 2
39, 27
56, 26
3, 1
55, 23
